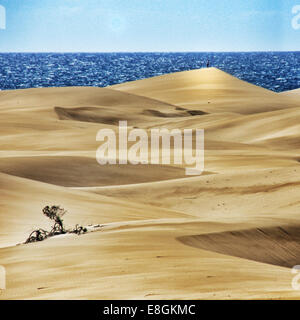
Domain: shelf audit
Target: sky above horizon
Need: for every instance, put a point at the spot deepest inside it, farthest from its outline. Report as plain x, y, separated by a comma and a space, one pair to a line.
148, 25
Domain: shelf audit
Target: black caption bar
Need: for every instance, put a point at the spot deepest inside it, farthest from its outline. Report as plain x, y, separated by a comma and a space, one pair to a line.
110, 310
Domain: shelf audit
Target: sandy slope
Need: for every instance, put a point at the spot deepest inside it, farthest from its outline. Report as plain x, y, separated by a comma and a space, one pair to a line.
209, 90
146, 262
84, 171
278, 246
22, 199
230, 233
292, 93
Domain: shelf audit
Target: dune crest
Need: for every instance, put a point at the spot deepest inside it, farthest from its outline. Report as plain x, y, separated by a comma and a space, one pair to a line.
211, 90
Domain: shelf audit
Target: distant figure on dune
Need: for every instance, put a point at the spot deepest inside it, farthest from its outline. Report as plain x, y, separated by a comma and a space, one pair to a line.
207, 64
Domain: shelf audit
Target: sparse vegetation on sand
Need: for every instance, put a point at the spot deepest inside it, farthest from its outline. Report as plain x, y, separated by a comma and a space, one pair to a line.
54, 213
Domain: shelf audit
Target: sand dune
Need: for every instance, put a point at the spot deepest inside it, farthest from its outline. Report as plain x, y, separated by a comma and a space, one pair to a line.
146, 262
84, 104
259, 128
277, 245
209, 90
21, 202
70, 97
292, 93
232, 196
231, 233
84, 172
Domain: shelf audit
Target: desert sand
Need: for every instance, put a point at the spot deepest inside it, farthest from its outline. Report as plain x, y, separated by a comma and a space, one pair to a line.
231, 233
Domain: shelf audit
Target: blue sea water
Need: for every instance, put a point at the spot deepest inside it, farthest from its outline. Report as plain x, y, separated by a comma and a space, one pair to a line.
277, 71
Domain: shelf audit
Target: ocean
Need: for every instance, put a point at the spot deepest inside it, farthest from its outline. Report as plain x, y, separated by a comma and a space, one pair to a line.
277, 71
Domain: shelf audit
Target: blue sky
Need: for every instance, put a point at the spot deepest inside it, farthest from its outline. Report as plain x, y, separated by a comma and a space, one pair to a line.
148, 25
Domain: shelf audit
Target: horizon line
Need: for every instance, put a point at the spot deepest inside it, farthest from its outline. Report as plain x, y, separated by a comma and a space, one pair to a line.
93, 52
